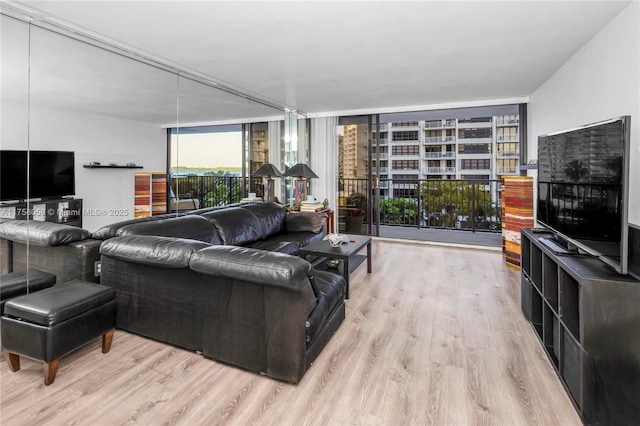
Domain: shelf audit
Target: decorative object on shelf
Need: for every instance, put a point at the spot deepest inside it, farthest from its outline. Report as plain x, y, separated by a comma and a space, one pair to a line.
150, 194
333, 263
303, 173
269, 171
325, 203
335, 240
517, 213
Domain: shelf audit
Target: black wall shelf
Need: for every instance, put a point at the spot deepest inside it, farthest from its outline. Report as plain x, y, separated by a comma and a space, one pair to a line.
106, 166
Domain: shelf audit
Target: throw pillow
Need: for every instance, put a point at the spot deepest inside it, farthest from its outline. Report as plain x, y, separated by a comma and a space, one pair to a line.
305, 222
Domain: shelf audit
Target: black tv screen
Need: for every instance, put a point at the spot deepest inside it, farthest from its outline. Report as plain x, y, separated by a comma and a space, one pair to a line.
583, 188
13, 175
51, 174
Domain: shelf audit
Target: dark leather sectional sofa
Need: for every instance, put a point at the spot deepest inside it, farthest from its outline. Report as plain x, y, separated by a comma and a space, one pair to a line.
225, 282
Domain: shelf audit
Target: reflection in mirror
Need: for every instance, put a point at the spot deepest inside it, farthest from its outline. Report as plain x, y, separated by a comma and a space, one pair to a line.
107, 110
265, 139
14, 57
219, 137
207, 147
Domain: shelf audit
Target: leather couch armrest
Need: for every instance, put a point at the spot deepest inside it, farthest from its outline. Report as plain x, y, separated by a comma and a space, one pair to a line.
253, 265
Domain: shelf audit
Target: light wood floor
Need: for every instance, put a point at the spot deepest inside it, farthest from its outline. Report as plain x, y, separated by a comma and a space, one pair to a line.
433, 336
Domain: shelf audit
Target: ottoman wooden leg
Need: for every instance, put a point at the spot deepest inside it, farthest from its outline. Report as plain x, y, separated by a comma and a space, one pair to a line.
50, 370
107, 338
13, 360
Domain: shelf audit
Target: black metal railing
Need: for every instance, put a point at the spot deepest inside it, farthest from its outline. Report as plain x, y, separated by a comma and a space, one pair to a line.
426, 203
213, 190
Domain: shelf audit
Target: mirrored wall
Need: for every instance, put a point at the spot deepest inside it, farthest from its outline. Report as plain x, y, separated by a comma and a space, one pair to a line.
103, 114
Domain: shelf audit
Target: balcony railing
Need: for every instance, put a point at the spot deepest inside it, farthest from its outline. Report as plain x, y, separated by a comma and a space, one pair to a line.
439, 139
508, 138
500, 121
406, 142
380, 170
511, 169
508, 153
433, 203
214, 190
440, 170
440, 124
447, 154
384, 141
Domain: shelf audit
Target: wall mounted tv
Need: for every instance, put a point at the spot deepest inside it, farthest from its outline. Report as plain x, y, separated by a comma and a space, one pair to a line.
583, 188
51, 174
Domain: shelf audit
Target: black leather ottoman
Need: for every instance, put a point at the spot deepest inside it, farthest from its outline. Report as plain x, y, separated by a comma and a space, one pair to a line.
47, 324
15, 284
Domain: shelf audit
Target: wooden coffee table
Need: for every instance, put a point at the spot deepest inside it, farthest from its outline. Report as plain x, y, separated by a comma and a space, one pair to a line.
348, 255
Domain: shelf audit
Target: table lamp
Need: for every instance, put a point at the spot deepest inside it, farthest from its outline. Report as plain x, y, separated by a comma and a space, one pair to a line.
268, 171
303, 173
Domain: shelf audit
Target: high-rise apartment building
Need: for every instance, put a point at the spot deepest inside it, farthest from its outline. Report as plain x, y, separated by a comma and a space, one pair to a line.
473, 148
354, 163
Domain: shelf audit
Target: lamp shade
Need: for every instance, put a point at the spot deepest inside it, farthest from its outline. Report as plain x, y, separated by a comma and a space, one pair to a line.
300, 170
268, 170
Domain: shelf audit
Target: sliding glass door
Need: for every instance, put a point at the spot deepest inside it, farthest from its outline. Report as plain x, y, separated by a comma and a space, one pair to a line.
359, 168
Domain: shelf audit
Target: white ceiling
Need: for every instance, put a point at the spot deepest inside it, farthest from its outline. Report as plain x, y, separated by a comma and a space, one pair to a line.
336, 56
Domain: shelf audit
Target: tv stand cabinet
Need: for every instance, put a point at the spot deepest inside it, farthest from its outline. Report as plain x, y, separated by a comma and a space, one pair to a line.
587, 318
67, 211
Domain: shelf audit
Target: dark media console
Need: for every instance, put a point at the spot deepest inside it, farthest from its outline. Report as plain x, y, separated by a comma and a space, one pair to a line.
587, 319
67, 211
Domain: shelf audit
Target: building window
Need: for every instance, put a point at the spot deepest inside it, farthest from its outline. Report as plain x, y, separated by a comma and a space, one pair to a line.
406, 150
405, 177
405, 135
404, 164
482, 132
507, 149
406, 124
474, 149
476, 164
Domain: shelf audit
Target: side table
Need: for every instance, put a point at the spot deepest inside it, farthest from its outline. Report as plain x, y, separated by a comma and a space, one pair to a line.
346, 253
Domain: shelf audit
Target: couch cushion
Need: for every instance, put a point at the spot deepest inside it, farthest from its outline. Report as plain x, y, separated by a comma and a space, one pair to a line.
273, 244
42, 233
192, 227
236, 226
253, 265
330, 287
305, 222
270, 215
168, 252
109, 231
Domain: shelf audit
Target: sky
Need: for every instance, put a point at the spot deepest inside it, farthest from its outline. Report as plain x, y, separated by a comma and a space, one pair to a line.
207, 150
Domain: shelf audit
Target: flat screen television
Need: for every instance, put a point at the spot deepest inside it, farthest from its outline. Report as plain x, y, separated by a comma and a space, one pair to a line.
583, 188
51, 174
13, 175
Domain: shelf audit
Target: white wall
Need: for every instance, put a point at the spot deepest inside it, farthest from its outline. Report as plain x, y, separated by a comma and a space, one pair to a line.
600, 81
106, 193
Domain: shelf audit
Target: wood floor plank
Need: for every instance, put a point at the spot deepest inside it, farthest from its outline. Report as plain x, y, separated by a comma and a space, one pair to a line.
433, 336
